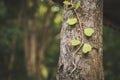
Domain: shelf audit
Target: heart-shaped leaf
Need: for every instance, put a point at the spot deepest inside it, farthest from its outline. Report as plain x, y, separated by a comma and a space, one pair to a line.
71, 21
86, 48
77, 5
67, 3
75, 42
88, 32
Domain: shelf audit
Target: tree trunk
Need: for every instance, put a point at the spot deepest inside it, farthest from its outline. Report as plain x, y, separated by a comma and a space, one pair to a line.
26, 34
33, 37
73, 64
12, 59
44, 37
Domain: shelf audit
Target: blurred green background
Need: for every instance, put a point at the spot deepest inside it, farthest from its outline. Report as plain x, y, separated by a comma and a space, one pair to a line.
35, 25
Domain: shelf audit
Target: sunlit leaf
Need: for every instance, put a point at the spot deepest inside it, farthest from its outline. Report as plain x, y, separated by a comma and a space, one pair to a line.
55, 8
72, 21
58, 19
77, 5
42, 10
44, 71
86, 48
88, 32
75, 42
67, 3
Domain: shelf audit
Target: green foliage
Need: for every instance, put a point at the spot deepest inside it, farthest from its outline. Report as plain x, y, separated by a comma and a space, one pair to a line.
77, 5
86, 48
111, 56
67, 3
55, 8
58, 19
75, 42
72, 21
88, 32
44, 71
42, 9
30, 4
12, 39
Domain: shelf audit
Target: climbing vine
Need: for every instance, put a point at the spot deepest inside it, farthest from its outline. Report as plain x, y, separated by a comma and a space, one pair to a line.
88, 32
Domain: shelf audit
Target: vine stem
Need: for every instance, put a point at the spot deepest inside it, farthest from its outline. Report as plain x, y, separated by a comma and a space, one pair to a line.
81, 28
73, 57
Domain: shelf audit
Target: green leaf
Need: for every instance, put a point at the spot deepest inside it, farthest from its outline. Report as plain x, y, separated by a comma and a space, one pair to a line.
71, 21
77, 5
75, 42
86, 48
88, 32
67, 3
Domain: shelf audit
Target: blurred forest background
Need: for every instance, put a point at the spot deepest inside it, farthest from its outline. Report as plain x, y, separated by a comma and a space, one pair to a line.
30, 37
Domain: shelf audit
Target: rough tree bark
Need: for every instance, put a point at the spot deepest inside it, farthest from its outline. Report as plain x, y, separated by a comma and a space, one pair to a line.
88, 66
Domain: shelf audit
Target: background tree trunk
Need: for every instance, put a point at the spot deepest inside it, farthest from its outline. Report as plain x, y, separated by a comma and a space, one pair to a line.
26, 34
30, 39
44, 39
33, 37
88, 66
